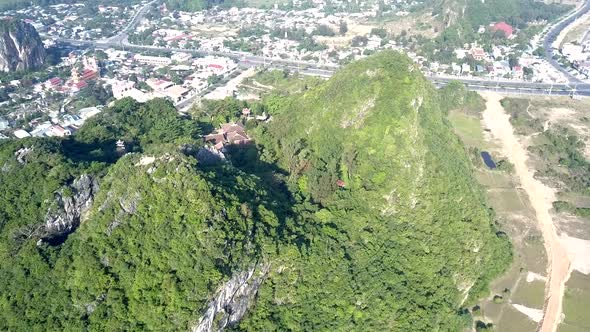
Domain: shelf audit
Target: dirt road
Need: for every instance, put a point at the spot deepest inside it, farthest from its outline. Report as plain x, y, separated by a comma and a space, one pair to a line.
541, 197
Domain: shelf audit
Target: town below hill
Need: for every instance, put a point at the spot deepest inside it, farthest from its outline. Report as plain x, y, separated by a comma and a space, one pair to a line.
490, 41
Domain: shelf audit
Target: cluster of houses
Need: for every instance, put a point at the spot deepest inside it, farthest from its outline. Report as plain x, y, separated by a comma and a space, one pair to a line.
286, 33
176, 77
160, 89
578, 54
60, 126
474, 61
76, 20
224, 30
194, 75
31, 101
87, 70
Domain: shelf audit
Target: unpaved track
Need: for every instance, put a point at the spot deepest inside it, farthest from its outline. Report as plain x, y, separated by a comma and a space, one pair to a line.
541, 197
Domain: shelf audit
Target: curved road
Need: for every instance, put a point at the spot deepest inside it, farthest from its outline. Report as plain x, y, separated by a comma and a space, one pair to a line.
554, 32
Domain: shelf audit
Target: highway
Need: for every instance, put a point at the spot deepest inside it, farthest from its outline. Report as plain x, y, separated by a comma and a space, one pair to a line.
121, 37
575, 87
554, 32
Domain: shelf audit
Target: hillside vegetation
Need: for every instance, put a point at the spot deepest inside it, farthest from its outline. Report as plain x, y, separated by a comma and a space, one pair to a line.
409, 238
357, 196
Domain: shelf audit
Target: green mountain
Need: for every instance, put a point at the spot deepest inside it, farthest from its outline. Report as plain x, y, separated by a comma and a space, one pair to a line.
518, 13
356, 210
409, 237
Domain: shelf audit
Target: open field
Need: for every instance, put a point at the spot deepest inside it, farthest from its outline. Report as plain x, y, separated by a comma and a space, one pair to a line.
577, 33
514, 321
415, 24
576, 304
541, 197
556, 132
526, 279
264, 82
469, 128
516, 218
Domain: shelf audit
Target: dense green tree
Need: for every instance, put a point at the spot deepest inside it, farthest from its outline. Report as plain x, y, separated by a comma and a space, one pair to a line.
362, 201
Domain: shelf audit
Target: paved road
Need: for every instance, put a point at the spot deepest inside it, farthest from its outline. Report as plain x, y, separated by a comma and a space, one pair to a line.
554, 32
581, 89
122, 36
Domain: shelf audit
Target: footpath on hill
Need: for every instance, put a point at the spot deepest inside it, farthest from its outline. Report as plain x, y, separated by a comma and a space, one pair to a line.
541, 198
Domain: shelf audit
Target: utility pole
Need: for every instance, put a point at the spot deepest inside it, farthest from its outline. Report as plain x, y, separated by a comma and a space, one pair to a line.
574, 91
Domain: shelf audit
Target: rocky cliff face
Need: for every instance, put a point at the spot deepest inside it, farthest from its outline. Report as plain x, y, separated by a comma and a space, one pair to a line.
20, 46
69, 209
232, 300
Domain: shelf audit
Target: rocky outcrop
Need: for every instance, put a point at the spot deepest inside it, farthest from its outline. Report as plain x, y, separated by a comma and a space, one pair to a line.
21, 47
21, 155
70, 206
233, 299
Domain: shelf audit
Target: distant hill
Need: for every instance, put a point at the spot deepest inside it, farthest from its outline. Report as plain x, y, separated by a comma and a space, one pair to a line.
515, 12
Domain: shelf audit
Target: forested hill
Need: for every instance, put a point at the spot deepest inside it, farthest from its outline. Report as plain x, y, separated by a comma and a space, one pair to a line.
403, 234
517, 13
355, 210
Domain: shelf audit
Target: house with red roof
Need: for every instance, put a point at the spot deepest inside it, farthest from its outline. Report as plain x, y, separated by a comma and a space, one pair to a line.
53, 83
506, 28
517, 72
228, 134
77, 86
88, 74
478, 53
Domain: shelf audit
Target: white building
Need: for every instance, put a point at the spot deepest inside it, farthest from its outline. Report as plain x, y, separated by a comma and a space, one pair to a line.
21, 134
181, 57
574, 52
4, 124
120, 88
153, 60
176, 93
465, 68
88, 112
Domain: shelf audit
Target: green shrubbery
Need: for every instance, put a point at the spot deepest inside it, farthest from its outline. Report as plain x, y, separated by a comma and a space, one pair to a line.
563, 206
358, 194
378, 127
560, 150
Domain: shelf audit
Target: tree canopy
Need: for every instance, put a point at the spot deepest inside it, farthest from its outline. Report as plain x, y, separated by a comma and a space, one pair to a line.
357, 194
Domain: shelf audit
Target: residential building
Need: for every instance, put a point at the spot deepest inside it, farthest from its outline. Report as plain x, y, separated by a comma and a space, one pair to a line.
228, 134
176, 93
153, 60
504, 27
21, 134
478, 53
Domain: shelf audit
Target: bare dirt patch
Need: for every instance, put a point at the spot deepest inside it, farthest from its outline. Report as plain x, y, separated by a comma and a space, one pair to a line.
424, 24
541, 198
354, 29
535, 315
